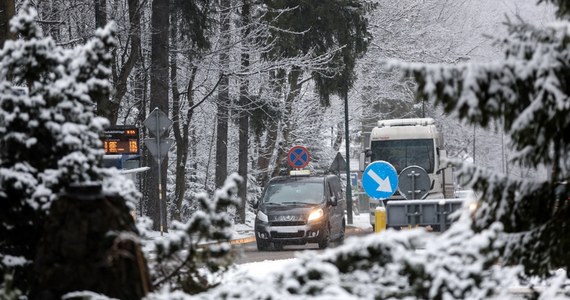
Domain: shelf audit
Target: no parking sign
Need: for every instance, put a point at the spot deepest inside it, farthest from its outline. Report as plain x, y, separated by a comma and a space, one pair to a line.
298, 157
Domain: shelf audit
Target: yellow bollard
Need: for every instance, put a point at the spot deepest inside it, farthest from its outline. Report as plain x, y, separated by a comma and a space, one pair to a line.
380, 219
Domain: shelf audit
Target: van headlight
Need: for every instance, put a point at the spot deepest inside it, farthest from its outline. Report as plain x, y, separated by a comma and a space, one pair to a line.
262, 217
316, 214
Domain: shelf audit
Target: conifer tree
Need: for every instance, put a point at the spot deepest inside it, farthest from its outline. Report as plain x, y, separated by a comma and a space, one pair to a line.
49, 132
527, 95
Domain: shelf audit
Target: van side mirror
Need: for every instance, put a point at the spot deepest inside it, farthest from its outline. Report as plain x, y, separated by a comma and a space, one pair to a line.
255, 204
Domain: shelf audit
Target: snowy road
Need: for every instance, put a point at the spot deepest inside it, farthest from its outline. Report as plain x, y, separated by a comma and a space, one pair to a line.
248, 251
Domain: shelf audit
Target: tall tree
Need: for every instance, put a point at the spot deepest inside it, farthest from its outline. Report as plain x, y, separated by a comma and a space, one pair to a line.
182, 148
123, 64
7, 11
192, 18
223, 102
129, 57
100, 13
159, 91
317, 28
244, 113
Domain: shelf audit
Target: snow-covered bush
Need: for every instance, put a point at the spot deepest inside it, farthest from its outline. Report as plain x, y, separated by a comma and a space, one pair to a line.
49, 132
411, 264
192, 253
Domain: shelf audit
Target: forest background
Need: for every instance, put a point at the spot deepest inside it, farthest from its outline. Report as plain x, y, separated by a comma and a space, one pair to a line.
245, 80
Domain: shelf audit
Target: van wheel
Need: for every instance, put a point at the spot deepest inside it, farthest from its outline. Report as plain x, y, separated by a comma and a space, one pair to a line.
326, 237
262, 246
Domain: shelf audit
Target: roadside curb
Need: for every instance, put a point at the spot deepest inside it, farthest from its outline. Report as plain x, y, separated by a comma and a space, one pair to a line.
250, 239
356, 229
244, 240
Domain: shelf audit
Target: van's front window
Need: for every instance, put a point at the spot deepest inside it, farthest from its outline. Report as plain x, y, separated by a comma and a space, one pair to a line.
404, 153
294, 192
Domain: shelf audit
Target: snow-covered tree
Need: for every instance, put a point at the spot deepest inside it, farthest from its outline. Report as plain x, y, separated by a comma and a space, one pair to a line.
49, 132
49, 139
198, 249
527, 95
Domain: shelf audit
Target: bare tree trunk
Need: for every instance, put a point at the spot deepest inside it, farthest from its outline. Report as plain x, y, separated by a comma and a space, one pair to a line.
268, 147
7, 11
100, 13
141, 92
244, 118
266, 153
223, 100
181, 148
103, 104
181, 127
111, 108
141, 98
158, 98
339, 136
284, 147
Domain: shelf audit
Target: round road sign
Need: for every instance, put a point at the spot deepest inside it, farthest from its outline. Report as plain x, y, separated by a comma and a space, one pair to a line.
414, 183
380, 180
298, 157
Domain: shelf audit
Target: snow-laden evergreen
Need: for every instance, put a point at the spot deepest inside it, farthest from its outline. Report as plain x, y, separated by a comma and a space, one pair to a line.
527, 95
49, 139
194, 252
410, 264
49, 133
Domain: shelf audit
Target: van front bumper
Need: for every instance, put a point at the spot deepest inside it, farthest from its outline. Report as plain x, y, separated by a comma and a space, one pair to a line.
290, 235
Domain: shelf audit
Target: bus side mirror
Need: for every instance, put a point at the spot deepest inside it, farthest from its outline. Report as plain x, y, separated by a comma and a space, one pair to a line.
364, 157
255, 204
442, 157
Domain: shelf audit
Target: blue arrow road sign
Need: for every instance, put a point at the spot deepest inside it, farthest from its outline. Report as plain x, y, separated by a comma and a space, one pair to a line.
380, 180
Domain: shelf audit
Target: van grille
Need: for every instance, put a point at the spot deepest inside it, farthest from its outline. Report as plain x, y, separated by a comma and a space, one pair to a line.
293, 223
287, 235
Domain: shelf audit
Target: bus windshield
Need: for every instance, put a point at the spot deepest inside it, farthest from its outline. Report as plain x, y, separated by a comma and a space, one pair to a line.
294, 191
404, 153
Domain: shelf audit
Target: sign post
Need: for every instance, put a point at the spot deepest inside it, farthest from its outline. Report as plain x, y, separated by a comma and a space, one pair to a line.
158, 123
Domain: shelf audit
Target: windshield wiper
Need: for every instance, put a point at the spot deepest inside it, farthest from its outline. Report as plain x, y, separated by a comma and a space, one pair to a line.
297, 202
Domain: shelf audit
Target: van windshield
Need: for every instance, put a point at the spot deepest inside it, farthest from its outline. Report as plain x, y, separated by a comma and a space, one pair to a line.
297, 191
404, 153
